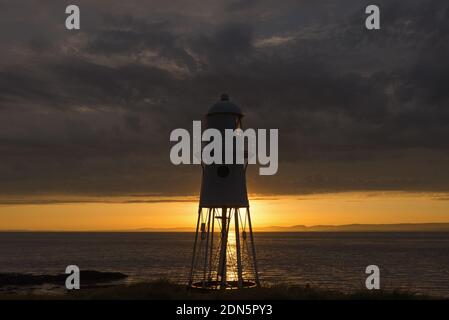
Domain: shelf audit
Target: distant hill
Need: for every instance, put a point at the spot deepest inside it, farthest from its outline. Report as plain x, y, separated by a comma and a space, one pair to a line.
399, 227
404, 227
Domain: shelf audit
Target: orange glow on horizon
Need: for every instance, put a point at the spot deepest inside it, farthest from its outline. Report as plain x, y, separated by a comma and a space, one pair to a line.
116, 214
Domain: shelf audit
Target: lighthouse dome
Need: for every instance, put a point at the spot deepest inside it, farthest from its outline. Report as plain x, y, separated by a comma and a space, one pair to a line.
224, 105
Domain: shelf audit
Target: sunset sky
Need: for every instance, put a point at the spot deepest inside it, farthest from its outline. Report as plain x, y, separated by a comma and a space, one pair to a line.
85, 116
134, 214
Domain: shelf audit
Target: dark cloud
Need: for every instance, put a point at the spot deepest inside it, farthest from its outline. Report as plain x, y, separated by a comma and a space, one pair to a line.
90, 112
38, 201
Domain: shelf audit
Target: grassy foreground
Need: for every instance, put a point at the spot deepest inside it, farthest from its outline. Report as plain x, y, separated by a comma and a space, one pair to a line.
165, 290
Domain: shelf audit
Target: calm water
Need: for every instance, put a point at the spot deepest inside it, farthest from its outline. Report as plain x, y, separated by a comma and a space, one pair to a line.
417, 261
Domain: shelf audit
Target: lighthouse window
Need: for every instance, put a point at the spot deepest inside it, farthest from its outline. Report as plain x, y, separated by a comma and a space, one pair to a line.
222, 171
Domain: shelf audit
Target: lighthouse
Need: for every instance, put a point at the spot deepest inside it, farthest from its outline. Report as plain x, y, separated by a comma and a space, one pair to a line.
224, 254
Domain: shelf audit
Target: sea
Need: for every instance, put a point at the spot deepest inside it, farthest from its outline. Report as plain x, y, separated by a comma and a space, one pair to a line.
417, 262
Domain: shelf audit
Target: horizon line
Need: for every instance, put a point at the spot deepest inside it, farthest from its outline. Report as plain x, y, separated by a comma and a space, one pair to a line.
272, 228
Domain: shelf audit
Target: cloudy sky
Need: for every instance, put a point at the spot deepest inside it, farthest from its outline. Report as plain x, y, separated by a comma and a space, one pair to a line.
89, 112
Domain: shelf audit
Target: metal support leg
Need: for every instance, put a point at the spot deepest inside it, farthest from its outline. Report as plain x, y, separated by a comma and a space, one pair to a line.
211, 245
194, 248
253, 248
206, 251
223, 250
237, 245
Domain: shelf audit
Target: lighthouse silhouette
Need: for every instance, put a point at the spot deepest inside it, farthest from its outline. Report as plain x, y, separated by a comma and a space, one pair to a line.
224, 255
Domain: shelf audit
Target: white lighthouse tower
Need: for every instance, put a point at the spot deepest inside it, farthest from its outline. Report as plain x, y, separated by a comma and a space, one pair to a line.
224, 255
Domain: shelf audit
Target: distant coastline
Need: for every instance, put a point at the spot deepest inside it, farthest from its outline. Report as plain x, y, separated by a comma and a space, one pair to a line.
397, 227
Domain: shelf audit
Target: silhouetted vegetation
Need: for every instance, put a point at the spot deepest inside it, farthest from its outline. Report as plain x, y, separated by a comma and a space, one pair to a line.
164, 289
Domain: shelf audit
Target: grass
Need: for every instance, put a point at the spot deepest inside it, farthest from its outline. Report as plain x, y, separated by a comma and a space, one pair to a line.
166, 290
